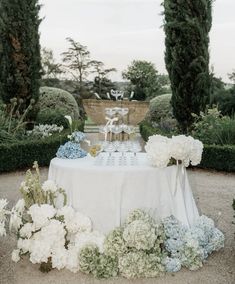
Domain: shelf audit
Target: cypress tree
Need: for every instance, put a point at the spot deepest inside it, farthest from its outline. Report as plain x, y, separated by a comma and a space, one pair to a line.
187, 25
20, 62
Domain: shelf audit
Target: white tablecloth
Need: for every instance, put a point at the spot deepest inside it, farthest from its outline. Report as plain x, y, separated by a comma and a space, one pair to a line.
108, 193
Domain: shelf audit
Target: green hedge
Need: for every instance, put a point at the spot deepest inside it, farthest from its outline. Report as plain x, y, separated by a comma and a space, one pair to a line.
20, 155
220, 158
23, 153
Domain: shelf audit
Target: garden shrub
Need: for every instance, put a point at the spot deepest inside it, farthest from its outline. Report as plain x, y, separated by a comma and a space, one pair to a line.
213, 128
52, 116
54, 104
21, 154
218, 157
160, 107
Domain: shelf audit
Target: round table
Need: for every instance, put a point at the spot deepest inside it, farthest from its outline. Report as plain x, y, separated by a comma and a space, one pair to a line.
107, 194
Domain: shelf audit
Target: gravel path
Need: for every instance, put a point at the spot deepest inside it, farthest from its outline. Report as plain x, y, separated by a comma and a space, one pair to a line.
213, 193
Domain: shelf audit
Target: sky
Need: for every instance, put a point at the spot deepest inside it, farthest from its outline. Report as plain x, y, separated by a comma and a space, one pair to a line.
119, 31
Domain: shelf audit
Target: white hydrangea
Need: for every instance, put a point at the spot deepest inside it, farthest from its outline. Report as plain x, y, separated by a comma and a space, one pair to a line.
180, 148
24, 245
41, 214
49, 186
54, 233
67, 212
79, 223
87, 238
27, 230
51, 239
158, 151
72, 263
40, 251
59, 258
196, 152
140, 235
15, 256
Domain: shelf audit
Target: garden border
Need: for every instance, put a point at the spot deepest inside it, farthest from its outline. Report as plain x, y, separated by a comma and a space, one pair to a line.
15, 156
22, 154
216, 157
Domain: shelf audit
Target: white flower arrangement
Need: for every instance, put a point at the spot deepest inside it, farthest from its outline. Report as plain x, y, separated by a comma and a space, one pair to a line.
161, 151
61, 238
50, 236
146, 249
45, 130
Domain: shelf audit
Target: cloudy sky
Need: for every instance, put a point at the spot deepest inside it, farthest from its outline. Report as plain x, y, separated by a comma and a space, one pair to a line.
118, 31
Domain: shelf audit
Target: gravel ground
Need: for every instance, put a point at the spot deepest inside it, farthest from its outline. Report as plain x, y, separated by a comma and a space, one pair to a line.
213, 193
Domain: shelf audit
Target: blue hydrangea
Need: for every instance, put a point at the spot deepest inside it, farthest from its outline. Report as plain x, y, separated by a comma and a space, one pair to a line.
173, 228
206, 224
77, 136
191, 246
172, 264
173, 246
70, 150
216, 241
198, 234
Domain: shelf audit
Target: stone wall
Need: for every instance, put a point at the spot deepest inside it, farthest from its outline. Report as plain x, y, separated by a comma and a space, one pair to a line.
95, 109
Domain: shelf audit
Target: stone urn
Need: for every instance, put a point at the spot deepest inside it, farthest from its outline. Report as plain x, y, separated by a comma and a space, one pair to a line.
95, 109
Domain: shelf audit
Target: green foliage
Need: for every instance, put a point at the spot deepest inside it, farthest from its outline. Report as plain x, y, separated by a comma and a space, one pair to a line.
220, 158
22, 154
225, 100
12, 121
160, 107
102, 84
32, 192
144, 79
19, 51
54, 104
187, 25
213, 128
50, 68
77, 63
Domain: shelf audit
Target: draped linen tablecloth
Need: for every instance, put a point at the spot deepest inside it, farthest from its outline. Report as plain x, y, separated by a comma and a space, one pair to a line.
107, 194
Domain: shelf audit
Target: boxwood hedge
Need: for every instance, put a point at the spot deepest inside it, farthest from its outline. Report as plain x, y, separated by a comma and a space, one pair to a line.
221, 158
14, 156
22, 154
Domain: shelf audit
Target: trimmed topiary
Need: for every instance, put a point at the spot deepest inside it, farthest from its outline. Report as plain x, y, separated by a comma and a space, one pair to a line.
160, 107
54, 104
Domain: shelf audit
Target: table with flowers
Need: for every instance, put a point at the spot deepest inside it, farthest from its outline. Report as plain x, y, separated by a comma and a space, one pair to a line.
108, 193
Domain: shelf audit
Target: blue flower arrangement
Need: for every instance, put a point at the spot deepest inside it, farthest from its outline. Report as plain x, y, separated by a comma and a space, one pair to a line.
72, 149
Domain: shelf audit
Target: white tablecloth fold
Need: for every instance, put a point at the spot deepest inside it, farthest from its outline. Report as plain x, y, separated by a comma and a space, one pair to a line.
107, 194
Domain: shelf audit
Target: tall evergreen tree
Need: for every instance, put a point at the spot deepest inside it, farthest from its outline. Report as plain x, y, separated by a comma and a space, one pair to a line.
20, 62
187, 25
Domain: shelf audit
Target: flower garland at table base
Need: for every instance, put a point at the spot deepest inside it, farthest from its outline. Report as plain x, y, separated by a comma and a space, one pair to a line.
143, 248
62, 238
